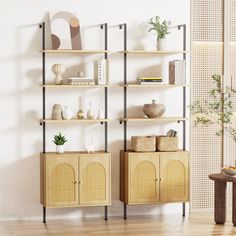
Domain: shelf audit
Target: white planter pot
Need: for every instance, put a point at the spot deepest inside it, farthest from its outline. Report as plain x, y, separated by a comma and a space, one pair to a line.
59, 148
161, 44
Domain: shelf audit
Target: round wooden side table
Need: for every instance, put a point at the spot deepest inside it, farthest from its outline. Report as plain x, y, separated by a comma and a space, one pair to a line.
220, 197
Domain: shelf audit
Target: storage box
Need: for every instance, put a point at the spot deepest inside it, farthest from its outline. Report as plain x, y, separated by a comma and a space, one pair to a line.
143, 143
166, 144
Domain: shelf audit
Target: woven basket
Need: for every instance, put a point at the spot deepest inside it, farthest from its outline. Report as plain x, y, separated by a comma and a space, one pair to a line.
167, 144
143, 143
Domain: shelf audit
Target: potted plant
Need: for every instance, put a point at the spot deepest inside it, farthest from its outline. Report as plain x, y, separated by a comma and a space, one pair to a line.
59, 140
161, 29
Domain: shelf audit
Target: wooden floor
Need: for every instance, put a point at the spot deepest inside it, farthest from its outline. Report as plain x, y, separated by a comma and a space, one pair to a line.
168, 225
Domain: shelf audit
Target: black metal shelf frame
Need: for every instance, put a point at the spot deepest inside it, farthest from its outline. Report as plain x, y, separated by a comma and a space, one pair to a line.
104, 27
124, 27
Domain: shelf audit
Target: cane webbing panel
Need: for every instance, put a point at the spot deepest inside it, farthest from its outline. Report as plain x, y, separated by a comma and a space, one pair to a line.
63, 187
207, 59
144, 185
207, 20
93, 183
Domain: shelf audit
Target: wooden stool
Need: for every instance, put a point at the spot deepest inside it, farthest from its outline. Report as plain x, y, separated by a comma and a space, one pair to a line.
220, 197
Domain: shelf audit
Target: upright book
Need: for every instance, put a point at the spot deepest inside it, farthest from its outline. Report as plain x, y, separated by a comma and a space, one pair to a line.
177, 74
101, 71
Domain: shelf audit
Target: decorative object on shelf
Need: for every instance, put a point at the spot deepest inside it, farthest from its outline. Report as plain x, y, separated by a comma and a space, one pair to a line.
67, 113
149, 80
161, 29
153, 110
81, 80
58, 70
90, 147
56, 112
101, 71
65, 31
90, 112
59, 140
177, 72
166, 144
80, 113
143, 143
101, 114
81, 74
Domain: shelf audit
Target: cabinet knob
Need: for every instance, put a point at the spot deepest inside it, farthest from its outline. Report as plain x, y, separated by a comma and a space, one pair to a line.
160, 179
75, 182
157, 179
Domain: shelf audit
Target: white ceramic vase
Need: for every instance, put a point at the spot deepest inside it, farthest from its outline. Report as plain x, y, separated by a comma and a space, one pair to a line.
90, 112
67, 114
161, 44
58, 70
59, 148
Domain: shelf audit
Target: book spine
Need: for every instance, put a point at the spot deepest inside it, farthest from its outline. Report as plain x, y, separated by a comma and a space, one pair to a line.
171, 72
150, 80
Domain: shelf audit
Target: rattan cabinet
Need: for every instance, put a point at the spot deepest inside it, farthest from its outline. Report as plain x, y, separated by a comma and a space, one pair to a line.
149, 178
75, 179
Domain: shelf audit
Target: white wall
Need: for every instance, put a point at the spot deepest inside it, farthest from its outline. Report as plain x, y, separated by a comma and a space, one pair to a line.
20, 96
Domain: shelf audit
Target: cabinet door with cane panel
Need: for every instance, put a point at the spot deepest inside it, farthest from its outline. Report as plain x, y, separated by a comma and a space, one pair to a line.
61, 180
143, 178
94, 179
174, 177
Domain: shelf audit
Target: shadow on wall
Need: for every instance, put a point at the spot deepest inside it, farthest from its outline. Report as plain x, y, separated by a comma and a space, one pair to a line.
21, 188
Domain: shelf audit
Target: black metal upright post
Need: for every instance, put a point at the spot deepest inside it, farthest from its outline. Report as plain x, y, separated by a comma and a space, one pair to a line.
42, 26
104, 26
124, 26
184, 97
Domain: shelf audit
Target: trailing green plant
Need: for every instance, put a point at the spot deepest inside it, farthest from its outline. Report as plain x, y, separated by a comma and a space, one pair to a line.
59, 139
160, 28
218, 109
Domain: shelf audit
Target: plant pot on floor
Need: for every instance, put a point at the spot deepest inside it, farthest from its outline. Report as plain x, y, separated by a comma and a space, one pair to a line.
59, 148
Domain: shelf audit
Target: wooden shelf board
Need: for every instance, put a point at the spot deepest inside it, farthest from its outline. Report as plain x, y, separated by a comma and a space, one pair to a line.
75, 51
154, 52
179, 151
153, 85
161, 119
76, 152
74, 121
74, 86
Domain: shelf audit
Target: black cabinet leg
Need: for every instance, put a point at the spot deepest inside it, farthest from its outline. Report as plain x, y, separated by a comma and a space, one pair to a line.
125, 211
44, 215
183, 209
106, 213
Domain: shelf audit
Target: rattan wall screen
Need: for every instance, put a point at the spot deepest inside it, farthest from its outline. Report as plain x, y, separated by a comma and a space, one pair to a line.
208, 54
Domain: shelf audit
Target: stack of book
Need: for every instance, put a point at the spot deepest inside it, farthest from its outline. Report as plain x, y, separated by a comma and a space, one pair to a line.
101, 70
150, 80
177, 72
80, 81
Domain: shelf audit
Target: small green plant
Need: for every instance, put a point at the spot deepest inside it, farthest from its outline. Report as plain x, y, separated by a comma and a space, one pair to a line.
218, 109
59, 139
160, 28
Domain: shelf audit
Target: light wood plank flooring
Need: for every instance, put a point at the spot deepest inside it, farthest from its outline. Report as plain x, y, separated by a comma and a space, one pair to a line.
168, 225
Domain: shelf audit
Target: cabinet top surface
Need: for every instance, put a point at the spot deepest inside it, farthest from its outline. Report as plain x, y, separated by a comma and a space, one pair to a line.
146, 153
75, 153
